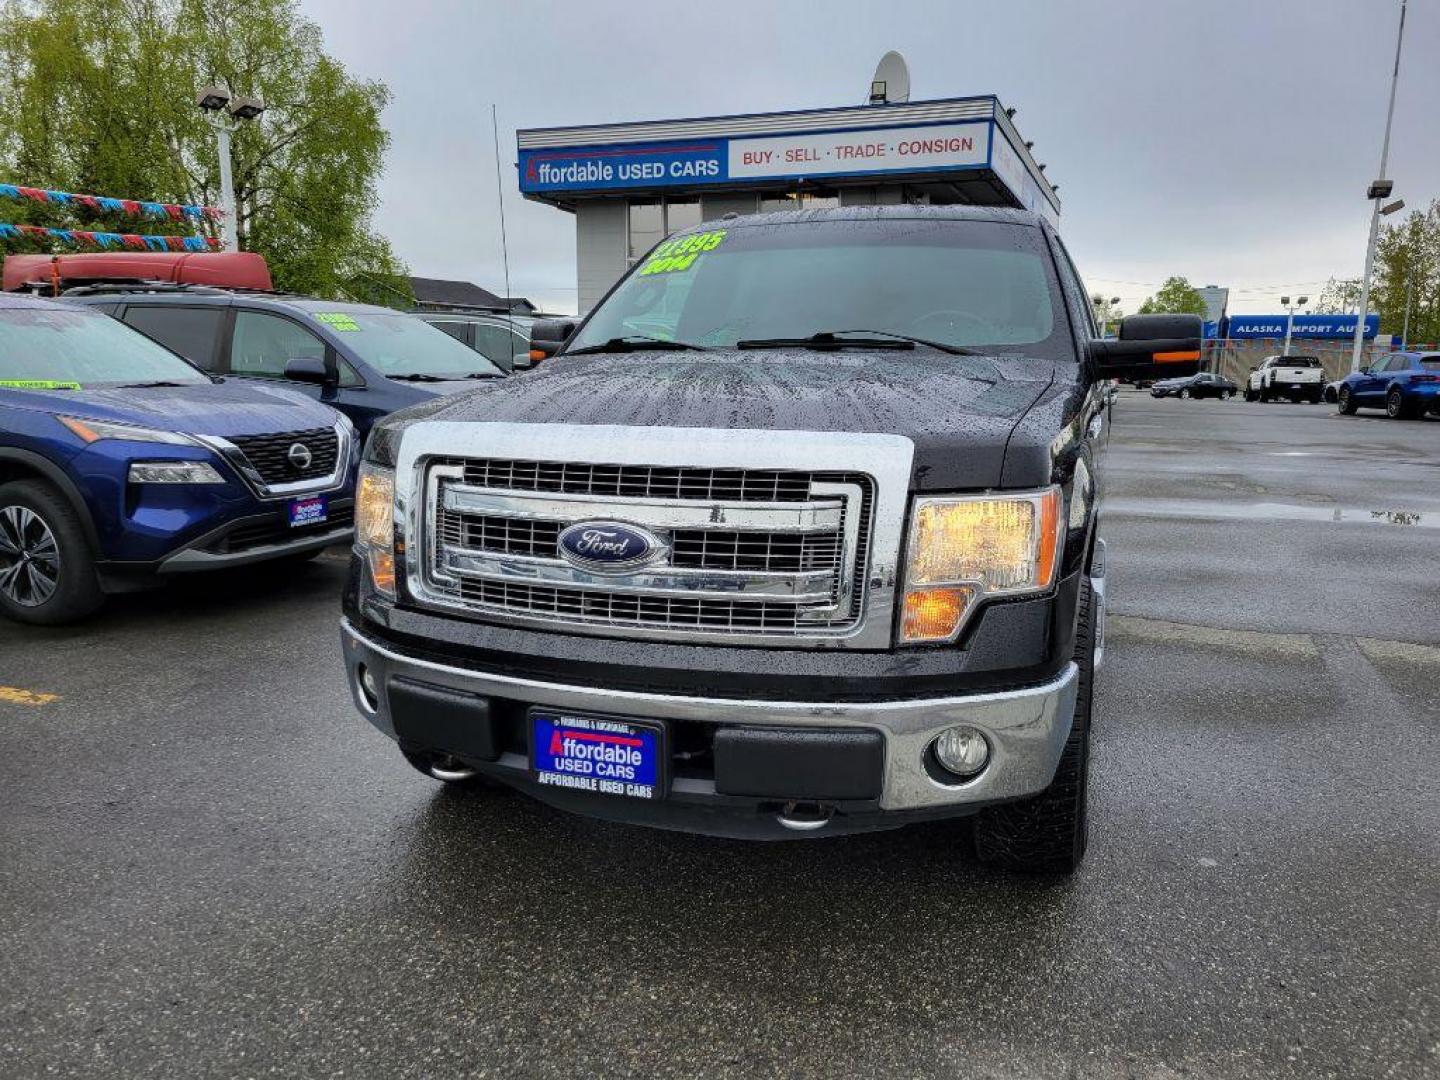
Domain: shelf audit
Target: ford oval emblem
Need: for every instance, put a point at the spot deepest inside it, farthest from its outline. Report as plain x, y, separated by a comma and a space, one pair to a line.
609, 546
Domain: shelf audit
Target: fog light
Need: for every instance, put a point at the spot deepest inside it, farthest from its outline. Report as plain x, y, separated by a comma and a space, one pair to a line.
962, 751
369, 689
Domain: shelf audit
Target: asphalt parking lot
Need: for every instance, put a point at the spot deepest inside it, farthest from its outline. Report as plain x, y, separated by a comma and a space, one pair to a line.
210, 866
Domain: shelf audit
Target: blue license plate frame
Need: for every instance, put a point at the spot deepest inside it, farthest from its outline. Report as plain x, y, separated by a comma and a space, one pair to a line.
308, 510
611, 756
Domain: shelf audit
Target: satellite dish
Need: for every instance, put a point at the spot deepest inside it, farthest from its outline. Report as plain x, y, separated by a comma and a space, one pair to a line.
892, 80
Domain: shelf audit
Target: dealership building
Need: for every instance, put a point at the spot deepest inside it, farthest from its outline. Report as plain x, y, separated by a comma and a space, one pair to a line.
630, 184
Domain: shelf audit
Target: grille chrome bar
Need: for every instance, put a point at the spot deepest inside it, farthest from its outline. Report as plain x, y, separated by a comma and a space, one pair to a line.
652, 513
812, 587
779, 538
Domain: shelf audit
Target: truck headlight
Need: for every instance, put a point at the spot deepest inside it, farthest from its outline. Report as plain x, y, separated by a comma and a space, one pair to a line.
965, 548
375, 525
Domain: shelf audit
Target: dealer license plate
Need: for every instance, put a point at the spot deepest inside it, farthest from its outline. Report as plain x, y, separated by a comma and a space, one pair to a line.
308, 511
598, 753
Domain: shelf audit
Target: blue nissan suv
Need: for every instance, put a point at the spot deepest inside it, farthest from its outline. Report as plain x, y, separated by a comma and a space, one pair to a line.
122, 464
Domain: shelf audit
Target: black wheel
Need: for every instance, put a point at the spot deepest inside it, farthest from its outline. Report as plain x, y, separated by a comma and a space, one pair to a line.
47, 570
1250, 395
1395, 405
1185, 393
1347, 402
1225, 395
1046, 833
1264, 396
444, 767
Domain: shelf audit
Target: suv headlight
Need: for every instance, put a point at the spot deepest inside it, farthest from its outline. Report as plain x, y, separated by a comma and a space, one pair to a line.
965, 548
90, 431
375, 525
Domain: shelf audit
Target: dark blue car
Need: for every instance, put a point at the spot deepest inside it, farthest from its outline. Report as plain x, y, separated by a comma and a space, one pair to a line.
1404, 384
122, 464
363, 360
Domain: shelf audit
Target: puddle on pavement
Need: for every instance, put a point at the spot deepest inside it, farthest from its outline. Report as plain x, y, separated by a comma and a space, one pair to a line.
1201, 508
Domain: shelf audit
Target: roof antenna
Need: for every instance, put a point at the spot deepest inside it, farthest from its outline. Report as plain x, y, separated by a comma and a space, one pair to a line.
500, 198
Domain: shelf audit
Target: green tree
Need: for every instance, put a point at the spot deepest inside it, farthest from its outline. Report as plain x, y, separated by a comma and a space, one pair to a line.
1407, 258
1176, 297
1340, 296
97, 96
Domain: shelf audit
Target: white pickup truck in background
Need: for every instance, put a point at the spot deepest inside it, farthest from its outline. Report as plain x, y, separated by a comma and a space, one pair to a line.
1298, 378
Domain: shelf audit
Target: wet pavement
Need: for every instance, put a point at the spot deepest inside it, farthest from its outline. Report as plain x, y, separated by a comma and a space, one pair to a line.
209, 866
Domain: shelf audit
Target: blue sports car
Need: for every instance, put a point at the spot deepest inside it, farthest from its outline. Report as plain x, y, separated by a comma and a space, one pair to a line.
1404, 384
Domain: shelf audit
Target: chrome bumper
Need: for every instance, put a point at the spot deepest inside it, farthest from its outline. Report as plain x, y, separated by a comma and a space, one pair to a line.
1026, 728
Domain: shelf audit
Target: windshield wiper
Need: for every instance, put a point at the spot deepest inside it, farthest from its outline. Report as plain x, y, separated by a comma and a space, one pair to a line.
843, 339
482, 375
637, 343
418, 376
147, 385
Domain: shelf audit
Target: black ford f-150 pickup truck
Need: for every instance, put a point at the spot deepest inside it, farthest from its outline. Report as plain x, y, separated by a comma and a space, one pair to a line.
798, 533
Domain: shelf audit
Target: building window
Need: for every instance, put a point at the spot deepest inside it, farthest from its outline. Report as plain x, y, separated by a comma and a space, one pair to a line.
772, 201
651, 220
647, 226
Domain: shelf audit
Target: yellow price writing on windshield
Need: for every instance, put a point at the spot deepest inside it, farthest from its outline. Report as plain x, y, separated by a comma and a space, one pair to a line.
681, 252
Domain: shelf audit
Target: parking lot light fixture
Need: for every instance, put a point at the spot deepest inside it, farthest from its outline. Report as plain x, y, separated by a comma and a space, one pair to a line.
224, 112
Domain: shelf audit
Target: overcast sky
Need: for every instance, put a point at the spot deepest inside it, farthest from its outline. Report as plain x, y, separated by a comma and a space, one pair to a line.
1230, 141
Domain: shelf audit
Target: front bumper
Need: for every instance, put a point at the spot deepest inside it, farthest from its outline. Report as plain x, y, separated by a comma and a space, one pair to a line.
1026, 729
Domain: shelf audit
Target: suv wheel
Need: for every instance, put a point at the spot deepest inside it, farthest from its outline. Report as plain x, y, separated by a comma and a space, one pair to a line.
1395, 405
1047, 833
47, 571
1347, 402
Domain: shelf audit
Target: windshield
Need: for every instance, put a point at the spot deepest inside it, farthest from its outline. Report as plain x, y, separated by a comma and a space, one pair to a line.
976, 285
63, 347
396, 344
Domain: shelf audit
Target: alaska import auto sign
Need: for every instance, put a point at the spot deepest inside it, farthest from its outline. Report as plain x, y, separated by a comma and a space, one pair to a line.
691, 162
1305, 326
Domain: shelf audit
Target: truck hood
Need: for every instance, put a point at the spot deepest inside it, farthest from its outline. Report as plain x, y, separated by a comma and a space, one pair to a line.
232, 407
958, 410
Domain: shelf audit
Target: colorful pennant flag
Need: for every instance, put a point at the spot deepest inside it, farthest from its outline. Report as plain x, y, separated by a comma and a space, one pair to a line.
109, 240
103, 203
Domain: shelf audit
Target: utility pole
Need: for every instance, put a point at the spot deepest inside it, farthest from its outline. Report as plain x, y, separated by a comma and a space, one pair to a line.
1405, 333
1379, 190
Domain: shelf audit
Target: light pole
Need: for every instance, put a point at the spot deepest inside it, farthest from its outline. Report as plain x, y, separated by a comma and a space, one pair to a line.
1379, 190
1290, 317
223, 112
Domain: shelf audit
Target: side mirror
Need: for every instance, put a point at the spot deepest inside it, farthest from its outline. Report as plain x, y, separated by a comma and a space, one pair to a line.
1364, 371
308, 369
1151, 347
547, 336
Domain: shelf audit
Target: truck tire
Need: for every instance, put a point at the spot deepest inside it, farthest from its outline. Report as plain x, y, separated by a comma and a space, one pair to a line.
1250, 394
47, 570
1046, 833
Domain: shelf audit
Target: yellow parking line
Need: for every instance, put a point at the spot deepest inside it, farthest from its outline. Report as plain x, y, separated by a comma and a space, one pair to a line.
16, 696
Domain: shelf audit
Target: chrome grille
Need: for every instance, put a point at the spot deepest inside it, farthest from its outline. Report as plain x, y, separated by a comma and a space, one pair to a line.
748, 552
640, 481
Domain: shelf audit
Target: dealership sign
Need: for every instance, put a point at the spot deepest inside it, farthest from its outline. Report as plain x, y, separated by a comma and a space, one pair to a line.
922, 148
1305, 326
